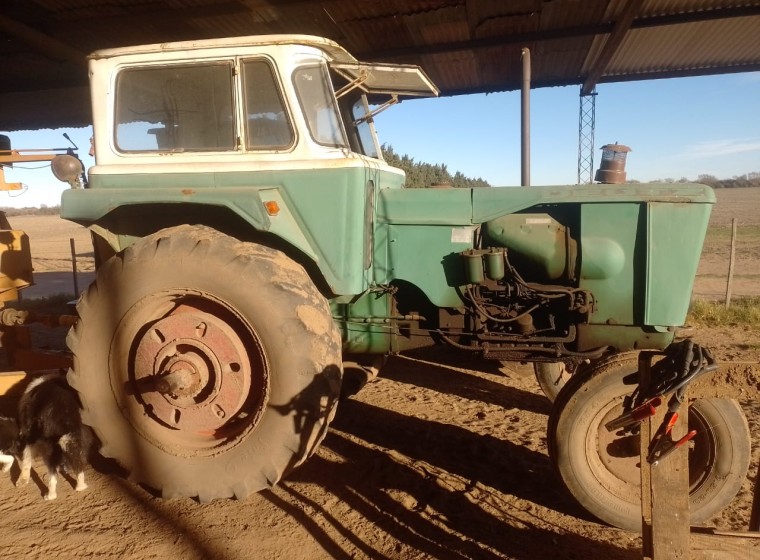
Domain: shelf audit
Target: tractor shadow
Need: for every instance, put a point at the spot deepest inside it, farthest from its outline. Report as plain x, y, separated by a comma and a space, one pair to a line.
444, 489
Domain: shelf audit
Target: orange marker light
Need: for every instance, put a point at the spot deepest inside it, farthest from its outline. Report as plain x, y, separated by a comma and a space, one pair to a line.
272, 207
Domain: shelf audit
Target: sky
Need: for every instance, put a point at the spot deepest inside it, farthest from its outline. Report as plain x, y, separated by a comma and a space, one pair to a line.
677, 128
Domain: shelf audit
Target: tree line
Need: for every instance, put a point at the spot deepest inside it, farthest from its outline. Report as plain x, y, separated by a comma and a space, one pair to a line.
420, 175
43, 210
751, 179
737, 182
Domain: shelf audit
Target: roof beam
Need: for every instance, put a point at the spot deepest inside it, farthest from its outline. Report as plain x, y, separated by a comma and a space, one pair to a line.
612, 44
138, 14
539, 36
49, 46
498, 41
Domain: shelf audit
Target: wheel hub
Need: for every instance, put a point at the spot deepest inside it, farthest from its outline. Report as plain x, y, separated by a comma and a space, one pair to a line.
191, 370
179, 382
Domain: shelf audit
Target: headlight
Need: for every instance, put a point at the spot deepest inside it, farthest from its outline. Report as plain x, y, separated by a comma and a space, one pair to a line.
68, 169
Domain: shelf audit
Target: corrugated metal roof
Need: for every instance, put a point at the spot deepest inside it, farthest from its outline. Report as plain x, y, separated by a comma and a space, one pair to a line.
736, 44
465, 46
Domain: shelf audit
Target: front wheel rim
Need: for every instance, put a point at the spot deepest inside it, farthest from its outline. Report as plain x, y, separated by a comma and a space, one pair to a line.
616, 457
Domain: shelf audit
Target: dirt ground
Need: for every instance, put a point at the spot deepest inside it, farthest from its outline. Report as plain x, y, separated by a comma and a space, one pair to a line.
438, 458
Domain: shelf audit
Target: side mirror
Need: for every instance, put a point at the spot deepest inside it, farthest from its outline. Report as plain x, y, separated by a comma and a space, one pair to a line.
68, 169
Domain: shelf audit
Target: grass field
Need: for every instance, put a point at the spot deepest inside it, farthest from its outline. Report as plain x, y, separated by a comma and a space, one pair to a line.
744, 206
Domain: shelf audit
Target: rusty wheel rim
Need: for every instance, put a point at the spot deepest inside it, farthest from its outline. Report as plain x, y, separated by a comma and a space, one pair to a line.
189, 373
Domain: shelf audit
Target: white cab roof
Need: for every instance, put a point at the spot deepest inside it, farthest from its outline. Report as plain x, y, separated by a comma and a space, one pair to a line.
401, 79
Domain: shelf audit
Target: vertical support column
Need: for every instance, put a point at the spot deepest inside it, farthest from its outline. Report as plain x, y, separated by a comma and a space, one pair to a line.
664, 486
525, 128
586, 125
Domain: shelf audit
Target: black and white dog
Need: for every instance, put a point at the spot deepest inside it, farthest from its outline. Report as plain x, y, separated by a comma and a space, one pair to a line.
50, 426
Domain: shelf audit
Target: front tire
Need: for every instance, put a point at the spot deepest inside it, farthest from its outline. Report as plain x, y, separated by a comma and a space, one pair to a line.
601, 468
551, 377
207, 366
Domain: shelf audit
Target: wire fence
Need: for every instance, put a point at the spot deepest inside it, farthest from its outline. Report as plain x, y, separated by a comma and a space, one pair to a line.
730, 263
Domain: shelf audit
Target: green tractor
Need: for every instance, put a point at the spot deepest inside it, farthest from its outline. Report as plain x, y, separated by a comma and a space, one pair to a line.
250, 239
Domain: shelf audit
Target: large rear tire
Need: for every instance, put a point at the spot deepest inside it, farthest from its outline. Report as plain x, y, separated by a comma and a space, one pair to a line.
207, 366
601, 468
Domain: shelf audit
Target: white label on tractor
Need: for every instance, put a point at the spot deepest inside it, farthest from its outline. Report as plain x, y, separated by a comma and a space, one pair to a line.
462, 234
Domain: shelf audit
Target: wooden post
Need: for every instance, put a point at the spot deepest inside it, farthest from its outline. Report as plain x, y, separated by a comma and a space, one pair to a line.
74, 267
665, 486
731, 263
754, 520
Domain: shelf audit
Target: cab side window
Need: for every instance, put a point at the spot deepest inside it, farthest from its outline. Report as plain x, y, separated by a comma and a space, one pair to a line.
175, 108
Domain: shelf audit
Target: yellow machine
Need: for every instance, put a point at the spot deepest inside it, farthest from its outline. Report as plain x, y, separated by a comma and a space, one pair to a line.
16, 265
15, 261
15, 255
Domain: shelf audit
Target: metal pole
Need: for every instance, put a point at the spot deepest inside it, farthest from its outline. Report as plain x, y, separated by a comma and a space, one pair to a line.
525, 128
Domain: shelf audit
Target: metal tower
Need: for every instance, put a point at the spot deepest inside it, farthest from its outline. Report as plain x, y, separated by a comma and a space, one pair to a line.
586, 123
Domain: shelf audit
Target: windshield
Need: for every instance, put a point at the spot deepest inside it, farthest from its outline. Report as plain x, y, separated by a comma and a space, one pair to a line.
363, 123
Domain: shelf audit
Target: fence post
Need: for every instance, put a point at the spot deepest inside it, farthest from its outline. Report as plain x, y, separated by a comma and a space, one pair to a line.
731, 263
74, 267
